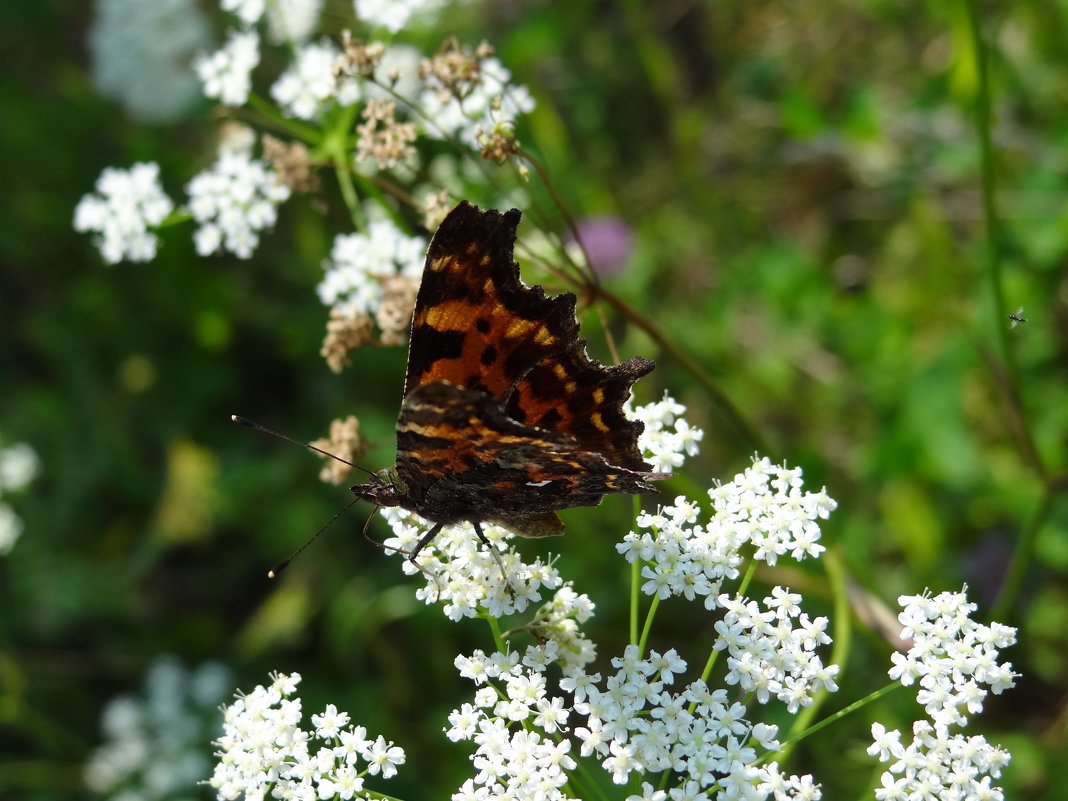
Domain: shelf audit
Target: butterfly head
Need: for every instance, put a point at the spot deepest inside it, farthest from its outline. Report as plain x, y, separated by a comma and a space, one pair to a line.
383, 489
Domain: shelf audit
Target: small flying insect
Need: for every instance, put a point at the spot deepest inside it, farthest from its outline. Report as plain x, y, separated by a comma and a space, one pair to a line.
1017, 318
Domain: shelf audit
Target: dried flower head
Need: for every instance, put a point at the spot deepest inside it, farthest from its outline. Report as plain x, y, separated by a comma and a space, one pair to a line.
499, 143
394, 314
345, 442
382, 137
235, 137
435, 208
293, 163
345, 332
358, 57
454, 71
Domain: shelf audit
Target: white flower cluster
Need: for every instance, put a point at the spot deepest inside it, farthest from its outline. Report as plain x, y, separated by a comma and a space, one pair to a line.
154, 746
233, 200
764, 507
287, 20
635, 722
227, 73
638, 724
141, 52
126, 205
772, 653
359, 263
950, 657
310, 82
303, 87
558, 622
18, 466
516, 727
248, 11
395, 14
263, 751
463, 573
293, 20
937, 765
667, 439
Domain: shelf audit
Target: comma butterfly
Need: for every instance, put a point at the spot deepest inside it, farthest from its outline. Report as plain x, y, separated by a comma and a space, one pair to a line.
505, 418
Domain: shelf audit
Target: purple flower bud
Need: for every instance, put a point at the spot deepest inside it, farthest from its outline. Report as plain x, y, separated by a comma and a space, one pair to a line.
608, 242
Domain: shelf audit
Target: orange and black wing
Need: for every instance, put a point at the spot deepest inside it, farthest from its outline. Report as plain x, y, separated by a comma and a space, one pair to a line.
582, 398
460, 457
476, 324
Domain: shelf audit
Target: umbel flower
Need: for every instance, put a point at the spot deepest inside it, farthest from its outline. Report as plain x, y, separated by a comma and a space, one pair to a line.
542, 716
18, 466
950, 659
536, 711
264, 753
233, 201
154, 742
127, 206
462, 95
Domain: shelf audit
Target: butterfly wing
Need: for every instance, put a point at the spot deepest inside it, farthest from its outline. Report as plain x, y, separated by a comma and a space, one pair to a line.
505, 418
459, 457
476, 324
573, 395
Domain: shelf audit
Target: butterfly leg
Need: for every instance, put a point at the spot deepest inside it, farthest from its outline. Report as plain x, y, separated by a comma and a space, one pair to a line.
425, 541
496, 556
429, 536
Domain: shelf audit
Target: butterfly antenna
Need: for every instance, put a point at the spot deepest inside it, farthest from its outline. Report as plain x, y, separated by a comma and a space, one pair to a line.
274, 571
244, 421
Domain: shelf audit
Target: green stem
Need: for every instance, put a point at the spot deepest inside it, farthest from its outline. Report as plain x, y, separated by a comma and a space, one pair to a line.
839, 653
648, 624
713, 655
589, 781
1006, 372
348, 190
635, 579
1021, 559
635, 595
309, 134
986, 160
841, 713
337, 146
747, 579
495, 629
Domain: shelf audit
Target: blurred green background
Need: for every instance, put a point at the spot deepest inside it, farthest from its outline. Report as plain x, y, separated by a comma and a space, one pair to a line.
808, 195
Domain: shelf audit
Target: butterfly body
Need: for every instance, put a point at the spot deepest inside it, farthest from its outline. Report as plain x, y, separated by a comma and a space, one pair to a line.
505, 418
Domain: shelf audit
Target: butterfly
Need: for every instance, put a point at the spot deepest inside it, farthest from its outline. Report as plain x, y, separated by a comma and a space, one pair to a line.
505, 418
